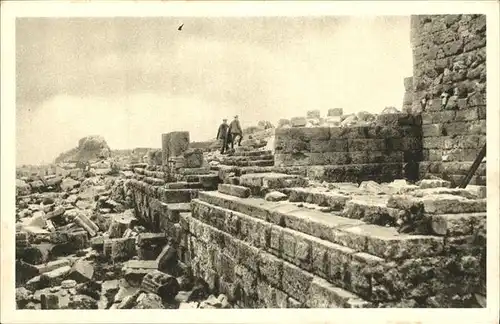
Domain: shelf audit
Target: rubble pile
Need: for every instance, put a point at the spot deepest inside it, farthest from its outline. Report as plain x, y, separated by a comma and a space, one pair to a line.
89, 148
79, 245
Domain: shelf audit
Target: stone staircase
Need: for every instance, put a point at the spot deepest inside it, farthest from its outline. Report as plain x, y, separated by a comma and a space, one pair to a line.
255, 158
334, 246
285, 255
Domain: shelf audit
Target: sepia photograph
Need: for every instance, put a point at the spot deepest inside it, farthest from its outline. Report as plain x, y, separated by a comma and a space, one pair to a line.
261, 161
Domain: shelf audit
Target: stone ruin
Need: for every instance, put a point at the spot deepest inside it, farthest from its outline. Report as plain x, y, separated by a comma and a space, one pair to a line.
356, 211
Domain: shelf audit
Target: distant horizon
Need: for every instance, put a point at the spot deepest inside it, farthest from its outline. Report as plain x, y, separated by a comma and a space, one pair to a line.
132, 79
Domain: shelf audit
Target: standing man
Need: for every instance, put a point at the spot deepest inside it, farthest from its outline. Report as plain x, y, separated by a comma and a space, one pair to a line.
222, 134
235, 130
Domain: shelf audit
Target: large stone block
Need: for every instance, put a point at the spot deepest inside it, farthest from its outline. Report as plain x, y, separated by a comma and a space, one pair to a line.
322, 146
329, 158
271, 269
233, 190
298, 121
335, 112
440, 204
372, 211
457, 224
323, 294
283, 122
297, 159
455, 168
367, 145
119, 248
288, 146
386, 242
301, 134
296, 282
81, 271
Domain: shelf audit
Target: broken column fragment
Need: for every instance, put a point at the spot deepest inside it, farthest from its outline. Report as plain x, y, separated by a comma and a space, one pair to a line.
160, 283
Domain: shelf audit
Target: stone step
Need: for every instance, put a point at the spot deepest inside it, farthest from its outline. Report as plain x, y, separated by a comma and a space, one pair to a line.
383, 242
279, 277
141, 264
253, 153
170, 212
154, 181
139, 170
372, 210
457, 224
156, 174
189, 178
295, 247
379, 172
169, 196
234, 190
293, 170
183, 185
191, 171
336, 201
261, 163
209, 181
243, 163
436, 204
258, 182
215, 167
478, 191
226, 169
248, 158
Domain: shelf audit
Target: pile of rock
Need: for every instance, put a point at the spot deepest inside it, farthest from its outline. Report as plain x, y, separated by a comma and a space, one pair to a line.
80, 246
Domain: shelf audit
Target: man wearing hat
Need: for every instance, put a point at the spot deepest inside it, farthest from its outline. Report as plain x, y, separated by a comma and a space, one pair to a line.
235, 130
222, 134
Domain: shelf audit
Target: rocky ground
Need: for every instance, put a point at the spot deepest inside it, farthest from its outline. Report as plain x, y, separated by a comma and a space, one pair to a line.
78, 246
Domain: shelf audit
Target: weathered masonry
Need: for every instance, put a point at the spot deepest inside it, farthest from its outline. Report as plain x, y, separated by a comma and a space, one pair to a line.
258, 230
449, 89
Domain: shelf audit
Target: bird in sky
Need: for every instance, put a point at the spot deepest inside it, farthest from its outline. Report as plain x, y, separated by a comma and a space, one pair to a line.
180, 27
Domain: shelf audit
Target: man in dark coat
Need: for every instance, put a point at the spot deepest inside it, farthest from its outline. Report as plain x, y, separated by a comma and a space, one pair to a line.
235, 130
222, 134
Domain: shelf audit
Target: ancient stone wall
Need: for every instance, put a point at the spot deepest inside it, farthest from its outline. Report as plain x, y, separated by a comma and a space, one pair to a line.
449, 90
380, 152
263, 254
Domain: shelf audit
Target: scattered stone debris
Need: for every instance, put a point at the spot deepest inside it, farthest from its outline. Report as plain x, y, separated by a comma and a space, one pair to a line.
79, 244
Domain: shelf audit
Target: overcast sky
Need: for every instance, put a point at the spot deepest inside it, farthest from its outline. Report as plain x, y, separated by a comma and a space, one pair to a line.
131, 79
